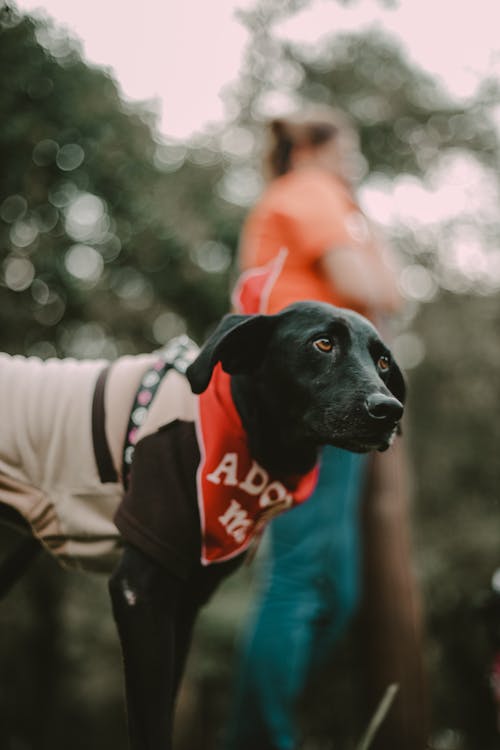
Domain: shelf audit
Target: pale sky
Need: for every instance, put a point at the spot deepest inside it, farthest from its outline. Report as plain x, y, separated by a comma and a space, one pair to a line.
183, 52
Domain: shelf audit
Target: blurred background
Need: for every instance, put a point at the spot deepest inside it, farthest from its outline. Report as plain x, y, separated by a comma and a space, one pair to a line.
129, 145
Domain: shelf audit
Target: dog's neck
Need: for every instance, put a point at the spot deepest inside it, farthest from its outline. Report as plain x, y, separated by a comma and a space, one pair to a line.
271, 439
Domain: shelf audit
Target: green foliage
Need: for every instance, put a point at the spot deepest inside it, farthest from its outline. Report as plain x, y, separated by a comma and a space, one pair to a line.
83, 168
405, 120
454, 438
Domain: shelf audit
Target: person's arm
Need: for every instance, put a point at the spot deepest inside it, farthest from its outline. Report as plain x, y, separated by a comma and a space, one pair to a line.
363, 278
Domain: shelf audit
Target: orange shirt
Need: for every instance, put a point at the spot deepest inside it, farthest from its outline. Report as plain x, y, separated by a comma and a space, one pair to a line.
300, 217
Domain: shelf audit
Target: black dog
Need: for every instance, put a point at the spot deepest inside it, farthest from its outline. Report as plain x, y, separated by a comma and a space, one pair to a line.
309, 376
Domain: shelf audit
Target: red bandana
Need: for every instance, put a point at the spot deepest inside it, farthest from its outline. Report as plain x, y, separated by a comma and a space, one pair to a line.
236, 496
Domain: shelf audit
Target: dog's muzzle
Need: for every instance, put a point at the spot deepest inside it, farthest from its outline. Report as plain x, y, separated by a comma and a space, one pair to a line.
384, 413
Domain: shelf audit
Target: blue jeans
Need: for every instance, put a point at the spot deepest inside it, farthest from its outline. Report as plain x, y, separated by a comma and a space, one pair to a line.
310, 591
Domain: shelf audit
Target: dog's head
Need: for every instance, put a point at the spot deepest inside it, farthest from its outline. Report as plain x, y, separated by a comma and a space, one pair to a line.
321, 369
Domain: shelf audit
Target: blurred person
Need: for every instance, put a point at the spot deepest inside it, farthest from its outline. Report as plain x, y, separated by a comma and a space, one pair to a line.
307, 238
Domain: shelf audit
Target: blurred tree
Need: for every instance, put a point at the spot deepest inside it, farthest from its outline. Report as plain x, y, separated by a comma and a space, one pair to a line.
454, 439
96, 211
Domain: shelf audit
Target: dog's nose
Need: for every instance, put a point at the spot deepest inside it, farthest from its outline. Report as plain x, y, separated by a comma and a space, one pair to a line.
379, 406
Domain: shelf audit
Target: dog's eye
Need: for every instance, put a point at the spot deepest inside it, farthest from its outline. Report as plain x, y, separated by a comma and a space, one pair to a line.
383, 363
323, 344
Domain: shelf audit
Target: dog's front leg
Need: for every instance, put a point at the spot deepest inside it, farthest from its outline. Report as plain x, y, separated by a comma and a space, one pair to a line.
145, 600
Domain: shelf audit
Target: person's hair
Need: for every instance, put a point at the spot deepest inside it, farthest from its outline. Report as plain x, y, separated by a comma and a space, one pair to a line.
309, 126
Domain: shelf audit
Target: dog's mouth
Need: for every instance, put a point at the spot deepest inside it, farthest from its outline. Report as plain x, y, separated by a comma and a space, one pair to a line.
352, 430
365, 442
389, 440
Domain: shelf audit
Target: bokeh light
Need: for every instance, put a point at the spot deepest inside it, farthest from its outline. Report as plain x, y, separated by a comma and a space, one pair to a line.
86, 218
69, 157
18, 273
84, 263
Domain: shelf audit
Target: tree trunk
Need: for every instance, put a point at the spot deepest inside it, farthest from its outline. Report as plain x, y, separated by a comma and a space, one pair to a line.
392, 617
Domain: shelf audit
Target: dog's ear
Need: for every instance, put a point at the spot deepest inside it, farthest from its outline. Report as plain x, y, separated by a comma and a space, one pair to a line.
239, 343
396, 383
